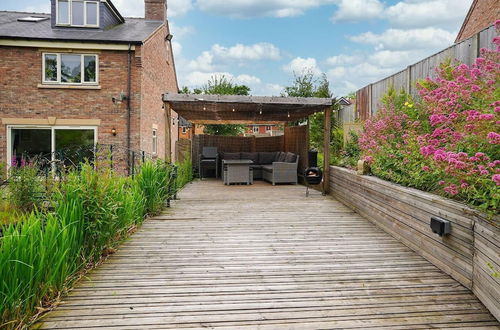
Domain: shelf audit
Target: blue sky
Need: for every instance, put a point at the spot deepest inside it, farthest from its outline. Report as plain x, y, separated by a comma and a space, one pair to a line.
263, 43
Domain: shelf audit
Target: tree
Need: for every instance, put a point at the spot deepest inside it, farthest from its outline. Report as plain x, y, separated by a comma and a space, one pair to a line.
307, 85
221, 86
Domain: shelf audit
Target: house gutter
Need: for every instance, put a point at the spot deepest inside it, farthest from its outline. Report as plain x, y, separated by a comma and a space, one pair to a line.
129, 109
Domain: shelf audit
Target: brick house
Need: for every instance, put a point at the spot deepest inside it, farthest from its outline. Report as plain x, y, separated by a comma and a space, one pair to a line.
263, 130
85, 75
481, 15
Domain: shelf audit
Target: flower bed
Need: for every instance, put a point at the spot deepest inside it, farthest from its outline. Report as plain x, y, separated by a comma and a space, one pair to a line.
447, 142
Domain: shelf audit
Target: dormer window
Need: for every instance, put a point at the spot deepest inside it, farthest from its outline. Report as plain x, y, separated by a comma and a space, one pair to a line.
78, 13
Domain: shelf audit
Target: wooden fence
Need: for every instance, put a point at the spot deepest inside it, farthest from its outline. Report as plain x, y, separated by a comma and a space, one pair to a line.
183, 150
295, 140
368, 98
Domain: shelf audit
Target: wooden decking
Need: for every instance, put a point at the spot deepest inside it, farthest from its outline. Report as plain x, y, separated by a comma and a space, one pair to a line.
264, 257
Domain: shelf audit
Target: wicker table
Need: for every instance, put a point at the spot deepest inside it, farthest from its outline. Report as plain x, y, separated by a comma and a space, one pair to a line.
237, 171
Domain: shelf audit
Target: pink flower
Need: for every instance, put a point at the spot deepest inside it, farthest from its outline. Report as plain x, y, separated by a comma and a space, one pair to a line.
369, 159
496, 179
493, 138
426, 168
441, 182
451, 189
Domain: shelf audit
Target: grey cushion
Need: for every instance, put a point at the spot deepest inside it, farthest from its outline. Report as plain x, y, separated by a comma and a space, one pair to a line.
267, 168
266, 157
290, 157
281, 157
231, 156
253, 156
256, 167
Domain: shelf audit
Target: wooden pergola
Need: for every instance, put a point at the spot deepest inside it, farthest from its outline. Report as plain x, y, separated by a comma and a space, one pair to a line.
238, 109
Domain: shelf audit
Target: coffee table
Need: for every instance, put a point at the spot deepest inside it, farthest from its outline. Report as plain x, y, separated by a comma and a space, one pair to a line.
237, 171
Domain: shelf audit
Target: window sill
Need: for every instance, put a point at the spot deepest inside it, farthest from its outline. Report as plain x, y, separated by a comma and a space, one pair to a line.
54, 86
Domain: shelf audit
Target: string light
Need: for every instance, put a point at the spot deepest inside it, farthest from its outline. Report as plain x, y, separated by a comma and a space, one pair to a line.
234, 110
204, 108
288, 114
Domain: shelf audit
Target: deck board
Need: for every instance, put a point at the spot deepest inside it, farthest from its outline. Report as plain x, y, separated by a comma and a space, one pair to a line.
265, 257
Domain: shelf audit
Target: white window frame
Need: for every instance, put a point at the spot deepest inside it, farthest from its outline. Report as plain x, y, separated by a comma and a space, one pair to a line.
70, 13
52, 137
184, 129
269, 128
255, 129
155, 142
82, 63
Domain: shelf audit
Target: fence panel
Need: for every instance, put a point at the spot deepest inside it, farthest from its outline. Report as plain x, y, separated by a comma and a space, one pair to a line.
296, 141
369, 97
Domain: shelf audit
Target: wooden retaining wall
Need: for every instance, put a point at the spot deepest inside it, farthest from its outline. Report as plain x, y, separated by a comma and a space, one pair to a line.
470, 254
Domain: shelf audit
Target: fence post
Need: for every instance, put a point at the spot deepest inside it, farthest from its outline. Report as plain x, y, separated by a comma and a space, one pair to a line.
133, 164
143, 156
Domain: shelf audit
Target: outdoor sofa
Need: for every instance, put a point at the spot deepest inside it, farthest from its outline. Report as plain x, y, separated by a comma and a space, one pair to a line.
274, 167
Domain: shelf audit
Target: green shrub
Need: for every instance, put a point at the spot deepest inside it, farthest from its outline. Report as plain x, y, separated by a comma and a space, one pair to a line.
184, 173
45, 252
351, 152
25, 187
153, 180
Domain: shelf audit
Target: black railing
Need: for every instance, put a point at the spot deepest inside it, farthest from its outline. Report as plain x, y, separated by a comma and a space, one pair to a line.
114, 157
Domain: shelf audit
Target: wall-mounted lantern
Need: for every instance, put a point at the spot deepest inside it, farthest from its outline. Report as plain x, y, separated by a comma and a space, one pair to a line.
113, 131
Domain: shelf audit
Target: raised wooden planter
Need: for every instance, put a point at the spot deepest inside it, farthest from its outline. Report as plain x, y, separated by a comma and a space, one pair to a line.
470, 254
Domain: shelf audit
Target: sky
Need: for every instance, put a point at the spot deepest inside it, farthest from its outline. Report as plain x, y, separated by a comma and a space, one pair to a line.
265, 43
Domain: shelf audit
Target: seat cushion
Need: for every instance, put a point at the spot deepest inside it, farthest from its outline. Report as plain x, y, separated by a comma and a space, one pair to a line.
256, 167
253, 156
266, 158
281, 157
290, 157
231, 156
267, 168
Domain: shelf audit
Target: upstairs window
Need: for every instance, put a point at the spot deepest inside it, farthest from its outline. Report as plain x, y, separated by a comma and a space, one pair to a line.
68, 68
78, 13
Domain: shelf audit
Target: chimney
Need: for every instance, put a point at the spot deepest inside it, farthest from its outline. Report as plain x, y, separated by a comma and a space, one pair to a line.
155, 10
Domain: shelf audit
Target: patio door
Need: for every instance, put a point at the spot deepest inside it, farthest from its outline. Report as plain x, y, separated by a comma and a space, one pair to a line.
67, 144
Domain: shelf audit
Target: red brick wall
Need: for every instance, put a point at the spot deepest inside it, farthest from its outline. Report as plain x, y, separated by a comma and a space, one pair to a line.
154, 10
20, 74
482, 15
158, 77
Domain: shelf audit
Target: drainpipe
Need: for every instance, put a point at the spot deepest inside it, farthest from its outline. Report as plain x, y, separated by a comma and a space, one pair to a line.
129, 110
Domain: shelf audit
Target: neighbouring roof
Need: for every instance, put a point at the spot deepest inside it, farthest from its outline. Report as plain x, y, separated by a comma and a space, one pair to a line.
344, 101
184, 123
134, 30
198, 108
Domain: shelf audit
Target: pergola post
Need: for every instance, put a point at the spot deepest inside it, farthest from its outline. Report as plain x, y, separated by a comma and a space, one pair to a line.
326, 150
168, 133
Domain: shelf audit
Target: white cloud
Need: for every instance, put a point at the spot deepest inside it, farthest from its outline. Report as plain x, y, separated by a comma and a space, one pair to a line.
343, 59
128, 8
180, 32
197, 79
449, 13
178, 8
357, 10
135, 8
397, 39
407, 13
255, 52
301, 65
259, 8
45, 8
220, 57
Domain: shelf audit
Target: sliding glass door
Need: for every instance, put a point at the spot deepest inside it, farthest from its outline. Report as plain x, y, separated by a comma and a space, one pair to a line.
70, 145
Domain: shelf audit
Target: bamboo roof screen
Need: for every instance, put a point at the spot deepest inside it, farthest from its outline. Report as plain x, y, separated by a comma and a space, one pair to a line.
220, 109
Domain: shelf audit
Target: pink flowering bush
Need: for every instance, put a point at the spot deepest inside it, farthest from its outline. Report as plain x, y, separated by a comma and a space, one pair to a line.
448, 142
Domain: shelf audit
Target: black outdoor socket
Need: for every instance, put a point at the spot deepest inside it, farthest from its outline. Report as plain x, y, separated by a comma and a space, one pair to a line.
440, 226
